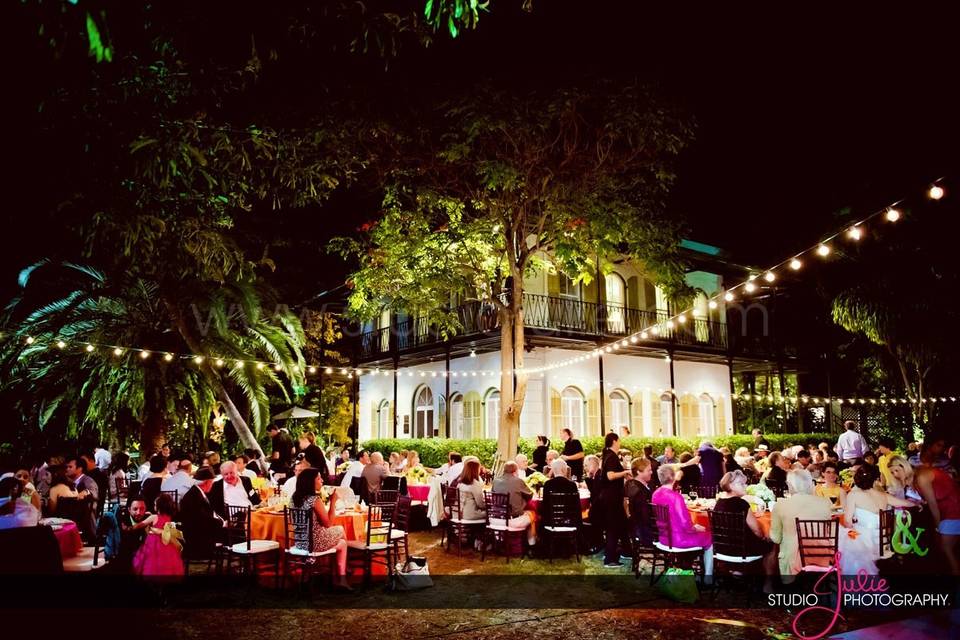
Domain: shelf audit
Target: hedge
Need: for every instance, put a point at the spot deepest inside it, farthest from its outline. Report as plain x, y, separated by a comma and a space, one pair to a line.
433, 451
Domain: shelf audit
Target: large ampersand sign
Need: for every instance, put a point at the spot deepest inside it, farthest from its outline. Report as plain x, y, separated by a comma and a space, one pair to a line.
903, 540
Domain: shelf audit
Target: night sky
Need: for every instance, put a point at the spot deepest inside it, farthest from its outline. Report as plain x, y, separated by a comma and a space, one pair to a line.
802, 110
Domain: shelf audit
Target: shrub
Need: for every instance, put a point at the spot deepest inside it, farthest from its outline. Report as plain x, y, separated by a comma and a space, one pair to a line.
433, 451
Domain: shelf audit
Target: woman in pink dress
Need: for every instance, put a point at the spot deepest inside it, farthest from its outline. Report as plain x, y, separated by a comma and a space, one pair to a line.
159, 556
684, 532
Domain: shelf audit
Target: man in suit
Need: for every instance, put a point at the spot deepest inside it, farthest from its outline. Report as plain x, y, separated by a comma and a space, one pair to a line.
89, 494
202, 528
802, 504
232, 489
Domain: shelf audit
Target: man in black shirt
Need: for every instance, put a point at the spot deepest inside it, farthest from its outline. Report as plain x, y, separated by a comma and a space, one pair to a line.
610, 480
312, 452
572, 453
282, 450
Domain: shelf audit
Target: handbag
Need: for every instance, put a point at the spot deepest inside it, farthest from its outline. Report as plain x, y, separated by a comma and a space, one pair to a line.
412, 575
679, 585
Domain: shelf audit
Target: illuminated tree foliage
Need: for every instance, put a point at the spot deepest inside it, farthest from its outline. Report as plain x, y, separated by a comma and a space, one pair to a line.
491, 181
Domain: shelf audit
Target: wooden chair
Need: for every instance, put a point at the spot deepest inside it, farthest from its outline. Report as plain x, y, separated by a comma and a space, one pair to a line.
498, 508
643, 551
561, 521
385, 496
458, 525
817, 541
730, 554
706, 491
241, 545
376, 546
173, 495
401, 528
668, 552
298, 526
120, 492
887, 520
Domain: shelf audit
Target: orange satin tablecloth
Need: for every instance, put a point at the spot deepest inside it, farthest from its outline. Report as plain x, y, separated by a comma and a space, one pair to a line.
268, 525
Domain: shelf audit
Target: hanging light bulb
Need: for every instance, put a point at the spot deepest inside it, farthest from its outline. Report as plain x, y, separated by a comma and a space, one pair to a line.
260, 366
239, 364
795, 264
168, 357
61, 344
312, 369
750, 287
144, 355
712, 304
681, 318
329, 370
198, 359
643, 335
935, 192
728, 296
296, 368
823, 250
655, 330
473, 353
892, 215
669, 324
633, 339
854, 233
30, 340
89, 348
219, 362
118, 351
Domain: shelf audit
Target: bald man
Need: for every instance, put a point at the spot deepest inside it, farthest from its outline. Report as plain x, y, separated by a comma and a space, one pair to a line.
374, 472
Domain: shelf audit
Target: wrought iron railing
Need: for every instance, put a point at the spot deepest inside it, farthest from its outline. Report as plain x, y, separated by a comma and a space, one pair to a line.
550, 315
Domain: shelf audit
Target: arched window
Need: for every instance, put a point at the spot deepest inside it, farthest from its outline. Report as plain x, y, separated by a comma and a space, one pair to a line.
666, 413
619, 411
616, 291
492, 413
456, 417
384, 420
423, 412
690, 424
571, 410
707, 415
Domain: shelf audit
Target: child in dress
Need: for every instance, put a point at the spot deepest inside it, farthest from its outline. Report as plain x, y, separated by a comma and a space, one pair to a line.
160, 554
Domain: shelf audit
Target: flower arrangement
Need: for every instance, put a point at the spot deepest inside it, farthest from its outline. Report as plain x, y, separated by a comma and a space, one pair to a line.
259, 483
535, 480
846, 477
762, 492
417, 475
343, 466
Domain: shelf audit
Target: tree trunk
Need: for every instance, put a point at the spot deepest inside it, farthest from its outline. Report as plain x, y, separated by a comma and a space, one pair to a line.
213, 379
513, 382
153, 433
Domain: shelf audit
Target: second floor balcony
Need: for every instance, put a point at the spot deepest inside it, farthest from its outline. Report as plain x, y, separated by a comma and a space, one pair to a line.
553, 319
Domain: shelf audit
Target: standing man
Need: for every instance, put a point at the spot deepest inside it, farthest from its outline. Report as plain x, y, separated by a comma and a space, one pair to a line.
851, 445
711, 464
102, 457
572, 453
282, 450
668, 457
88, 492
610, 482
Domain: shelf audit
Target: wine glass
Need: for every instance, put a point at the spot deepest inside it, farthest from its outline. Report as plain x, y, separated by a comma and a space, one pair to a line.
693, 495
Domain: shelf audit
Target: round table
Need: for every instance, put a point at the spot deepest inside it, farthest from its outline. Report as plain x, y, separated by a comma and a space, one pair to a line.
418, 492
702, 517
266, 524
534, 503
68, 537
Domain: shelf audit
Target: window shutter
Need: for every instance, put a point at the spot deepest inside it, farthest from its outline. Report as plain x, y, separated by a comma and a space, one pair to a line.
556, 414
553, 285
689, 416
375, 420
636, 414
472, 418
633, 293
656, 409
607, 415
391, 426
720, 417
593, 413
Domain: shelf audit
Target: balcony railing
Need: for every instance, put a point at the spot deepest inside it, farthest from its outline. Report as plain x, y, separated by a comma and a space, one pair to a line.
551, 316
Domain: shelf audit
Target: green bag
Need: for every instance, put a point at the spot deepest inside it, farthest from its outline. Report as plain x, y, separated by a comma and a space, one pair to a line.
679, 585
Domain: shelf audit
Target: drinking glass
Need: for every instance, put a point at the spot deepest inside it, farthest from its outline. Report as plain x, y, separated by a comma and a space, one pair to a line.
693, 495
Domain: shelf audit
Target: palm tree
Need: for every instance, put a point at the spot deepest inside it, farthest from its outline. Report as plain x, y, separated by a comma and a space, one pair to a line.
92, 379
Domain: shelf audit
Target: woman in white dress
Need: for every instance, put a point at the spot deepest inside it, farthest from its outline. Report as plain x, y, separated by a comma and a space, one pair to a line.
859, 541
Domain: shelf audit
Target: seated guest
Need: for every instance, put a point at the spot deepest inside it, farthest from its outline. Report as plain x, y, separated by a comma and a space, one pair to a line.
290, 484
470, 488
521, 461
668, 456
734, 486
685, 532
902, 474
776, 475
99, 475
402, 465
729, 461
15, 513
413, 460
886, 451
802, 504
804, 460
255, 462
232, 490
309, 448
60, 487
243, 467
160, 553
202, 528
152, 486
859, 551
540, 454
133, 522
690, 477
180, 481
454, 468
519, 493
213, 461
591, 467
374, 472
87, 492
654, 463
325, 535
637, 494
830, 485
394, 462
558, 484
28, 493
552, 455
117, 474
356, 469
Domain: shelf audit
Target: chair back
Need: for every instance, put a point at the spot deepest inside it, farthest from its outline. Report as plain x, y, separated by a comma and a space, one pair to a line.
498, 506
563, 510
379, 523
359, 487
133, 490
730, 533
401, 518
385, 496
664, 531
394, 483
174, 495
817, 541
452, 502
120, 488
238, 524
776, 487
887, 518
706, 491
298, 528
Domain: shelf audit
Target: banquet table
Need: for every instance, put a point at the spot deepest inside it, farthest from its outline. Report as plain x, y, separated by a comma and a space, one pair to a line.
702, 517
267, 524
418, 492
533, 509
68, 537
